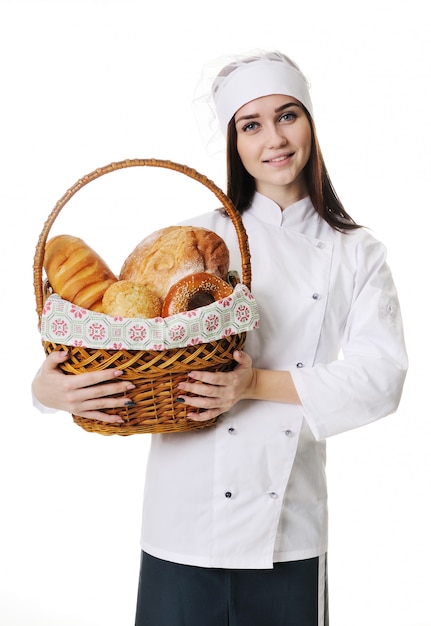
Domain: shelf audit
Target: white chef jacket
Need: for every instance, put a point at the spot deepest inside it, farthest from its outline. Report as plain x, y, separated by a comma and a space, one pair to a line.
251, 490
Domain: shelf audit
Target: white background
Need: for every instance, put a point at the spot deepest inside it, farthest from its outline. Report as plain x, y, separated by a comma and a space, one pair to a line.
87, 83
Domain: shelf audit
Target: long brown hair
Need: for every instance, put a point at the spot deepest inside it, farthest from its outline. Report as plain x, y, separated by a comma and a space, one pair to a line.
241, 185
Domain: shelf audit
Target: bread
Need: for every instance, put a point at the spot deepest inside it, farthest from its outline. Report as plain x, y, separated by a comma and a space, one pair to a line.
169, 254
194, 291
76, 272
128, 299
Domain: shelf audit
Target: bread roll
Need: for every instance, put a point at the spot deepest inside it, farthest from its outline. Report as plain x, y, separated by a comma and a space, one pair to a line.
128, 299
169, 254
76, 272
193, 292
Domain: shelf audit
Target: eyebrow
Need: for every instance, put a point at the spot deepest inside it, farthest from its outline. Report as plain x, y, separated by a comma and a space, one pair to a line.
283, 107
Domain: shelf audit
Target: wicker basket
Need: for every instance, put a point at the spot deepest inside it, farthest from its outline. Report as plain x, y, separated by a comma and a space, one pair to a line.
155, 374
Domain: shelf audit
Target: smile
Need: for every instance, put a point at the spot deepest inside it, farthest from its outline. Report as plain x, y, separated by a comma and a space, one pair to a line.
280, 158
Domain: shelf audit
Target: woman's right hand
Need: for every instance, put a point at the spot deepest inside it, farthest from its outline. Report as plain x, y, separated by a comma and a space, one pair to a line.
80, 394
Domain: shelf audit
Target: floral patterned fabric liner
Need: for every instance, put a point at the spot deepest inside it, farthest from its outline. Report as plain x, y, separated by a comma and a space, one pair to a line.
65, 323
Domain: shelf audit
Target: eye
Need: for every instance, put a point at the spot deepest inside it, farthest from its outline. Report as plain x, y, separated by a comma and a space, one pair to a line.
249, 127
289, 116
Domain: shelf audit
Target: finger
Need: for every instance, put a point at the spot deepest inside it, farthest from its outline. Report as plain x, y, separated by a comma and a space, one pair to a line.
94, 379
101, 417
219, 379
204, 416
96, 409
242, 358
102, 390
102, 403
201, 402
201, 389
79, 380
55, 358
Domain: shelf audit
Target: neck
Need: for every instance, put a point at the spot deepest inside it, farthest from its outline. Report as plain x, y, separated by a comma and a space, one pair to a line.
284, 196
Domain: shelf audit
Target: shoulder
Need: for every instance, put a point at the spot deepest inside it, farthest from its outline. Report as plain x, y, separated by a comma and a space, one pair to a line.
359, 241
215, 220
210, 216
362, 255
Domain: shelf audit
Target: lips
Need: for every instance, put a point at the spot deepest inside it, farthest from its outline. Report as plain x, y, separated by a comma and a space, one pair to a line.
279, 158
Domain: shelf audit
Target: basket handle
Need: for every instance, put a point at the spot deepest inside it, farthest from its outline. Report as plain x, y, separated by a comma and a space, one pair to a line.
234, 215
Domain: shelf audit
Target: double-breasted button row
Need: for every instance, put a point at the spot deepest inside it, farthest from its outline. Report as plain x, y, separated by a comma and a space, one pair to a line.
271, 494
232, 431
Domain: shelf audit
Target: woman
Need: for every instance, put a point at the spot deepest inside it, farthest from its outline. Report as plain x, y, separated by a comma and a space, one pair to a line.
235, 519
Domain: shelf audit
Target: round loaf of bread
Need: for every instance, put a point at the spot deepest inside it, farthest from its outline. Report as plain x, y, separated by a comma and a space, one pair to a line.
169, 254
128, 299
76, 272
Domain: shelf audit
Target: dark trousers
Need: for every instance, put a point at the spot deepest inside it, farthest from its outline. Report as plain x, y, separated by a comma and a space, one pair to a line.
171, 594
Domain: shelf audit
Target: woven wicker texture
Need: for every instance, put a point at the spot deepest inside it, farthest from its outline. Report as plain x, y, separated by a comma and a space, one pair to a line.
154, 374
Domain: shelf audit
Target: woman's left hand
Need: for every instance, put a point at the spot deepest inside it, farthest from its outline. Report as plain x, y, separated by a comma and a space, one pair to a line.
217, 392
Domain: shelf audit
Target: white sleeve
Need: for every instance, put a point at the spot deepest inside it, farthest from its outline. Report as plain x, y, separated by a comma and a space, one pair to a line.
41, 407
366, 383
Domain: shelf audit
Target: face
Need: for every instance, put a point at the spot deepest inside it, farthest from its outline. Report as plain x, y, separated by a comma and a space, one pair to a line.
274, 144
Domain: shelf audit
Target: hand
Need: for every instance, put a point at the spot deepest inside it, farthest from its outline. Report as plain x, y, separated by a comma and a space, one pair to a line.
217, 392
80, 394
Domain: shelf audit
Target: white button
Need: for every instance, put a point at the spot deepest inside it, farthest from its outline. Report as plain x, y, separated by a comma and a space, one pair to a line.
300, 364
273, 495
321, 245
231, 430
315, 296
288, 433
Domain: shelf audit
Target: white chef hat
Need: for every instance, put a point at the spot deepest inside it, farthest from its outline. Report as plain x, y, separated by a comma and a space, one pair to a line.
229, 82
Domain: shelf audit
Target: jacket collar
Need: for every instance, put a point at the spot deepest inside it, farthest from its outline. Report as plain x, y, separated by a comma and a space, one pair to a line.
293, 216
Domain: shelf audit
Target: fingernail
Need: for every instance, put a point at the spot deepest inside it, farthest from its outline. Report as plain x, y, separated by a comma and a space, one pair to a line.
131, 386
129, 403
179, 400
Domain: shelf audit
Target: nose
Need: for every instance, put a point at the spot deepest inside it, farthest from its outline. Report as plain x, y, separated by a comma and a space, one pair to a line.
275, 137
